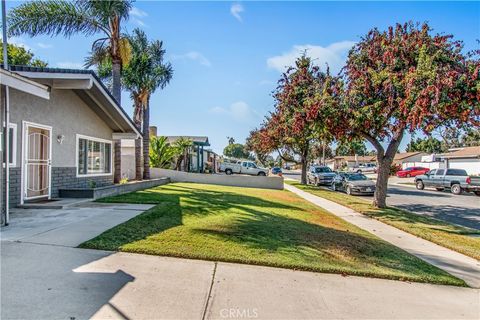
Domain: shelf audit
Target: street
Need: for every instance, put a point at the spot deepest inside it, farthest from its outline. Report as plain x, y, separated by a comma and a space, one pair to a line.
463, 209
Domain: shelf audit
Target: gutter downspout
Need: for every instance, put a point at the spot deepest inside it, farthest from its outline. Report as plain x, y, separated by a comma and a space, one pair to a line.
7, 116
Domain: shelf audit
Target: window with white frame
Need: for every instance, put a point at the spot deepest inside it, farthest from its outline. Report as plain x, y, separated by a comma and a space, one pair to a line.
12, 155
94, 156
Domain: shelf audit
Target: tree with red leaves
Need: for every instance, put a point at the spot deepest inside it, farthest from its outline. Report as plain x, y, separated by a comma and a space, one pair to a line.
293, 125
403, 80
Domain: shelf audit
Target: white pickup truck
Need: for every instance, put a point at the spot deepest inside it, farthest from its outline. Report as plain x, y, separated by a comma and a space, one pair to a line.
242, 167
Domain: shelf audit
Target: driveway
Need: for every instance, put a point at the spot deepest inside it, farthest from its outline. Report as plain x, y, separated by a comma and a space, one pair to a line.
463, 209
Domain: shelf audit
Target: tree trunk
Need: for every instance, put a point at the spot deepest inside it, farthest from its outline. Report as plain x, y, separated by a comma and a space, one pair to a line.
383, 165
146, 140
117, 161
116, 86
138, 159
384, 162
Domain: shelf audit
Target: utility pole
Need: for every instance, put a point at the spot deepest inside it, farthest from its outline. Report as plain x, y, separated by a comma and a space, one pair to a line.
6, 121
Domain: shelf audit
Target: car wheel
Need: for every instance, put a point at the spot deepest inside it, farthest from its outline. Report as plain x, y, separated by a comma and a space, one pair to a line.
439, 189
228, 172
419, 184
261, 173
359, 171
477, 193
349, 191
456, 189
316, 182
334, 188
408, 175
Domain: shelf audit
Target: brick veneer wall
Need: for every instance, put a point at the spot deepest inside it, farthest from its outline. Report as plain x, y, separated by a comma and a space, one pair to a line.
65, 177
62, 177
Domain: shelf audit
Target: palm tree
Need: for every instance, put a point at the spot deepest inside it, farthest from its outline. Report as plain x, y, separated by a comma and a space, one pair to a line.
88, 17
183, 147
145, 72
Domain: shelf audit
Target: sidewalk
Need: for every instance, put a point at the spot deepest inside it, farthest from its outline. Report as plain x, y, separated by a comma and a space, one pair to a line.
461, 266
57, 282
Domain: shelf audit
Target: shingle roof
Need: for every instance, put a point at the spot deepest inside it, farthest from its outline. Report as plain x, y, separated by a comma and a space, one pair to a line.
403, 155
467, 152
198, 140
359, 158
18, 68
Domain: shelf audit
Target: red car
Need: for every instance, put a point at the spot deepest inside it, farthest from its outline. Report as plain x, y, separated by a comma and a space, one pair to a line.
412, 172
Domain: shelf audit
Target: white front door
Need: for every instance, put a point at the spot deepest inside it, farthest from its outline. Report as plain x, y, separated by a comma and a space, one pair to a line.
37, 161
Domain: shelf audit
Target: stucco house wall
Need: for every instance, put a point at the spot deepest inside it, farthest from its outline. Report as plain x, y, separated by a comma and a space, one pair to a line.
68, 115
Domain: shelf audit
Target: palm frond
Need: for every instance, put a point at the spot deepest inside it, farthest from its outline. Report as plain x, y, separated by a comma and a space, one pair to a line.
105, 9
54, 17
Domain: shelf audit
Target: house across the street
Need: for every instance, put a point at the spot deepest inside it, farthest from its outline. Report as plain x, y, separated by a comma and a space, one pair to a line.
467, 158
199, 159
70, 140
347, 162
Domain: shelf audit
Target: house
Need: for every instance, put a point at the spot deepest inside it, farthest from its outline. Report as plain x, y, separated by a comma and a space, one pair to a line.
467, 158
11, 81
71, 140
198, 158
340, 162
405, 157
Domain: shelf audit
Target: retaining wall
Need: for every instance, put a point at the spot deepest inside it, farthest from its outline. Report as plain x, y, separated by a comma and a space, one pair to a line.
220, 179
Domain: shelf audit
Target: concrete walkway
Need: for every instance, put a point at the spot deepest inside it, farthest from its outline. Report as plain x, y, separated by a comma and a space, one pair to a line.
55, 282
70, 226
457, 264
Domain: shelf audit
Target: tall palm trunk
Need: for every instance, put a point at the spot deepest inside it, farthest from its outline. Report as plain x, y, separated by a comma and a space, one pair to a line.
146, 140
116, 89
116, 86
116, 59
137, 120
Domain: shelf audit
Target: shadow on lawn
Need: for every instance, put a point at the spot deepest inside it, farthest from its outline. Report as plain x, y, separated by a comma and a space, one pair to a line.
274, 227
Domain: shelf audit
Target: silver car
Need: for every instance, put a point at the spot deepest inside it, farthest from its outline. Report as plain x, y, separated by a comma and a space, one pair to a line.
353, 184
320, 175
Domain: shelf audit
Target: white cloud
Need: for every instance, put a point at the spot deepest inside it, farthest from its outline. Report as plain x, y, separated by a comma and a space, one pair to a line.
136, 15
334, 55
195, 56
235, 10
239, 111
44, 45
138, 12
139, 22
70, 65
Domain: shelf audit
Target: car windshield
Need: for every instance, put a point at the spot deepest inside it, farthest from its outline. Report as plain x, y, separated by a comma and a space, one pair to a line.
322, 169
357, 177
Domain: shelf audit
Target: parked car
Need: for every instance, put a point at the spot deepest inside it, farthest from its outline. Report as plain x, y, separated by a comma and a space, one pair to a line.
276, 171
364, 168
412, 172
457, 180
242, 167
320, 175
353, 183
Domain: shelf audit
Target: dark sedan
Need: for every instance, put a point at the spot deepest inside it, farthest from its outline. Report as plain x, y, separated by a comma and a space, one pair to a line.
353, 183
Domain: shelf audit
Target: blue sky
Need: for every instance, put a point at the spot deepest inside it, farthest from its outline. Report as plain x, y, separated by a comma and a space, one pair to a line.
227, 56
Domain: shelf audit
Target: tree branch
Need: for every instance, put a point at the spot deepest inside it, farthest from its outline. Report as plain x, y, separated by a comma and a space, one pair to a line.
374, 142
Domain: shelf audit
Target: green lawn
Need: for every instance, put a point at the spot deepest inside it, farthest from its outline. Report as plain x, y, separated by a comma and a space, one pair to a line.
255, 226
461, 239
